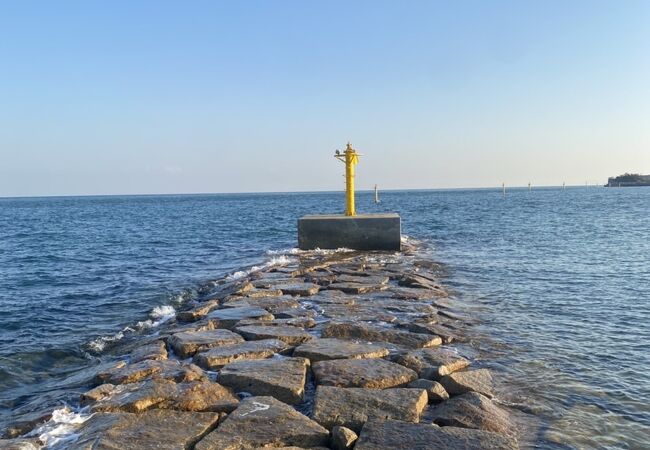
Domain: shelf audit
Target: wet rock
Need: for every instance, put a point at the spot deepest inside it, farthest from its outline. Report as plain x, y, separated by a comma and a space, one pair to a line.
433, 363
331, 348
151, 430
287, 334
299, 289
472, 410
155, 351
166, 369
188, 343
282, 378
385, 434
343, 438
264, 422
300, 322
435, 390
199, 312
373, 333
218, 357
352, 407
373, 373
27, 423
357, 313
161, 394
418, 281
446, 334
355, 288
228, 317
21, 444
479, 380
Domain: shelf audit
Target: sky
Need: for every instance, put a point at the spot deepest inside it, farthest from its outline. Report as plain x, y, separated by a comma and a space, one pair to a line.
145, 97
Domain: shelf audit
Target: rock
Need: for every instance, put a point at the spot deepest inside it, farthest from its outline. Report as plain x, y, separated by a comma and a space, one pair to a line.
27, 423
300, 322
275, 304
331, 348
343, 438
152, 430
21, 444
355, 288
433, 363
263, 293
375, 333
228, 317
188, 343
371, 280
155, 350
435, 390
447, 335
356, 313
198, 312
479, 380
418, 281
352, 407
373, 373
161, 394
386, 434
472, 410
217, 357
282, 378
166, 369
299, 289
264, 422
287, 334
294, 313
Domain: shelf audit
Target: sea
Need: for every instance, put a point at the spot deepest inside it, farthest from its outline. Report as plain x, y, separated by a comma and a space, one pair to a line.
558, 281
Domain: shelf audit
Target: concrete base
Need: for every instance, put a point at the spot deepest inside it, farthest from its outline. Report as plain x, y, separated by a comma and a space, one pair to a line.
362, 232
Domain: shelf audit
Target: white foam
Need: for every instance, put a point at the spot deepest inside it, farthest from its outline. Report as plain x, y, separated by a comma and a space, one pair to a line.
61, 429
163, 311
98, 345
276, 261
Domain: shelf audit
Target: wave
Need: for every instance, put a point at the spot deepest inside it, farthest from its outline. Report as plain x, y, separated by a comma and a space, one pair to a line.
61, 429
276, 261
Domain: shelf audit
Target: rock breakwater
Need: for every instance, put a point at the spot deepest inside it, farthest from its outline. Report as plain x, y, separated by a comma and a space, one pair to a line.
337, 350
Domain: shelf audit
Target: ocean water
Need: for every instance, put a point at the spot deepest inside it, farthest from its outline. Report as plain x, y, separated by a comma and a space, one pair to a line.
559, 281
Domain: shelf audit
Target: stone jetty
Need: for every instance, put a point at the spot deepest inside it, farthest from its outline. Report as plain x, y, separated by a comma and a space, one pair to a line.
338, 350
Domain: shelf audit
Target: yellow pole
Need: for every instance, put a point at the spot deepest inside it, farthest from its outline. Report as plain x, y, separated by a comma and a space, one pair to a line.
350, 157
350, 161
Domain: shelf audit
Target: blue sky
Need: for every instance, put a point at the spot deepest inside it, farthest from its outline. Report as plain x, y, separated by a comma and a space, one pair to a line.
178, 97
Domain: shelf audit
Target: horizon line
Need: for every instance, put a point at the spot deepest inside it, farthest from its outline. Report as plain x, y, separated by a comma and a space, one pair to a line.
300, 192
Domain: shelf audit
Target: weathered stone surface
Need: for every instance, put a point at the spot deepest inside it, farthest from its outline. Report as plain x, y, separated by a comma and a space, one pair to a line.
152, 430
343, 438
373, 373
264, 422
300, 289
187, 344
263, 293
275, 304
228, 317
21, 444
162, 394
387, 434
355, 288
300, 322
418, 281
374, 333
197, 312
287, 334
447, 335
479, 380
435, 390
352, 407
218, 357
359, 312
294, 313
155, 350
282, 378
472, 410
433, 363
166, 369
331, 348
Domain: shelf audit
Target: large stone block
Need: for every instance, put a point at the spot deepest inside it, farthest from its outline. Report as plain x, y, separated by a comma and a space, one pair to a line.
361, 232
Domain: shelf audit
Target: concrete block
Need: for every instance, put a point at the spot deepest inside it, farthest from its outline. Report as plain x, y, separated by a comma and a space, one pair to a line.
361, 232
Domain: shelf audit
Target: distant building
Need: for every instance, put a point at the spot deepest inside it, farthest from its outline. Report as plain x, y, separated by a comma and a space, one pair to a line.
628, 179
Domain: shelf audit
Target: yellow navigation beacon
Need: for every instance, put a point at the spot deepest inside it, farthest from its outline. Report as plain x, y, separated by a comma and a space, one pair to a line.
350, 157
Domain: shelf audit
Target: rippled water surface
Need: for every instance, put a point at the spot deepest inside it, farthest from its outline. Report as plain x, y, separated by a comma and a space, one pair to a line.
560, 280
